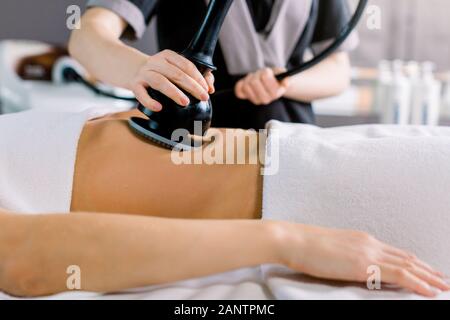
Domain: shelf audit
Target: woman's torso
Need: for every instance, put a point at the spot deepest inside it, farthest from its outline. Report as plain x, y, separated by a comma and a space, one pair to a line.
116, 171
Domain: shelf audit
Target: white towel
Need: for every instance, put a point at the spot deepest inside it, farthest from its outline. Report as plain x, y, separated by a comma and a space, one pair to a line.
37, 159
393, 182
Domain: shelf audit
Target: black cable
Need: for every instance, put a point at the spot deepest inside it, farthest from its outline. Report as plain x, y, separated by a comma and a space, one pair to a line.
345, 33
70, 74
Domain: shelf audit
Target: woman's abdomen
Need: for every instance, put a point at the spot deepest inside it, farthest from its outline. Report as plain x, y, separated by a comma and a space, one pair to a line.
119, 172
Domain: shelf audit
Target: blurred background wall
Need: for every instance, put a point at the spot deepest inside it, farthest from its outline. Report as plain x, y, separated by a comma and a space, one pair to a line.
410, 29
45, 20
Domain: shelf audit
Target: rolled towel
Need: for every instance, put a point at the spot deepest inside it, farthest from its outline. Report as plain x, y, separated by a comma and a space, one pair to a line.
392, 182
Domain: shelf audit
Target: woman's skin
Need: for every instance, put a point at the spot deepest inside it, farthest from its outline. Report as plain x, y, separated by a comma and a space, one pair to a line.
118, 172
97, 46
146, 180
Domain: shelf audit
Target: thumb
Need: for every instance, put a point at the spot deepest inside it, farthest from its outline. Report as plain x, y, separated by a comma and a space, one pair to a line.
279, 70
238, 92
209, 77
285, 82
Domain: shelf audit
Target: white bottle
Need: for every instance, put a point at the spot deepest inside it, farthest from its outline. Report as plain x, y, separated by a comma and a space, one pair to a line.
417, 93
446, 98
431, 107
412, 70
383, 86
397, 110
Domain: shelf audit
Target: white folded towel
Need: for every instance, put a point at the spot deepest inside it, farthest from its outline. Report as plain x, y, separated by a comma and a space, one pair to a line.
393, 182
37, 159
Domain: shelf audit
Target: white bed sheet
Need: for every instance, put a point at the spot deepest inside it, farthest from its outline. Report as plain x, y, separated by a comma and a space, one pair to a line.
262, 283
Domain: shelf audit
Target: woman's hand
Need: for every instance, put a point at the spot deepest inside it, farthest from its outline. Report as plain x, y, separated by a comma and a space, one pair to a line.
262, 87
168, 73
346, 256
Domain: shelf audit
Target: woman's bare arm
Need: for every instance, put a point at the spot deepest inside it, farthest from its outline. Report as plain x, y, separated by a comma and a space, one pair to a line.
97, 46
329, 78
117, 252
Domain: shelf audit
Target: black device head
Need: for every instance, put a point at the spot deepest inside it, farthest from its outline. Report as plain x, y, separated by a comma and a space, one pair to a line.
177, 127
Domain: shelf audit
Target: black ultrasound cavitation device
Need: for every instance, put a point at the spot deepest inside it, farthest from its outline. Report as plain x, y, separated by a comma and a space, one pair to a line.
181, 128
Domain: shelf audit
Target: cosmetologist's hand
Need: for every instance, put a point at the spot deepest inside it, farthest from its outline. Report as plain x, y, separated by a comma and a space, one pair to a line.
262, 87
168, 73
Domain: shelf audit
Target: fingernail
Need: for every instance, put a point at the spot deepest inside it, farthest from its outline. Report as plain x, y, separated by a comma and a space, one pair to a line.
185, 101
436, 291
154, 107
204, 96
428, 287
